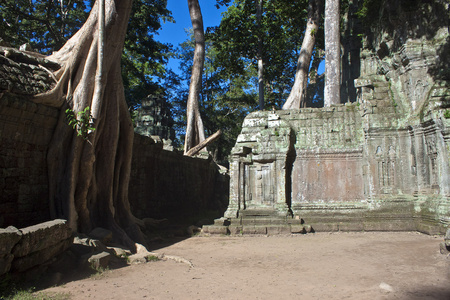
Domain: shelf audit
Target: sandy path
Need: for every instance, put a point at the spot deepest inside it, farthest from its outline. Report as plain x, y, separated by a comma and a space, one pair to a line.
313, 266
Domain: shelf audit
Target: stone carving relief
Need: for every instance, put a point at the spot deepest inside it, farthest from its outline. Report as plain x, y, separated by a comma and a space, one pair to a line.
416, 90
432, 152
386, 168
259, 188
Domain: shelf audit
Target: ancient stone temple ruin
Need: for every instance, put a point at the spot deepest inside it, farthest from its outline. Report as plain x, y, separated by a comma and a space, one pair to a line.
379, 162
154, 119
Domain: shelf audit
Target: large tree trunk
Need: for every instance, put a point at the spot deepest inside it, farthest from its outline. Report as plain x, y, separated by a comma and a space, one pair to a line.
297, 97
88, 180
259, 9
332, 53
195, 132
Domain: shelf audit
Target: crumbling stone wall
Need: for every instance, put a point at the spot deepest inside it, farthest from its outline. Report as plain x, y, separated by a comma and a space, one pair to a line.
342, 168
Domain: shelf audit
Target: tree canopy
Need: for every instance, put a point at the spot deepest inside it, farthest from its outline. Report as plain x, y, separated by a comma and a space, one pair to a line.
236, 40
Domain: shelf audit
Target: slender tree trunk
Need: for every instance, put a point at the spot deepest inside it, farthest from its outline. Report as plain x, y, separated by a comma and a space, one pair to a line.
332, 53
314, 71
88, 181
195, 132
259, 9
297, 97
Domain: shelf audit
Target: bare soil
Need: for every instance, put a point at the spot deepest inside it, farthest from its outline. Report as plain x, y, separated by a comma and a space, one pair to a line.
369, 265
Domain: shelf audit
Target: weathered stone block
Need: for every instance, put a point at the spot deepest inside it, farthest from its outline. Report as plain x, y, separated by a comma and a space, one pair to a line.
254, 230
443, 248
390, 225
235, 230
351, 226
99, 260
213, 229
42, 236
324, 227
297, 229
21, 264
447, 238
276, 230
5, 263
9, 237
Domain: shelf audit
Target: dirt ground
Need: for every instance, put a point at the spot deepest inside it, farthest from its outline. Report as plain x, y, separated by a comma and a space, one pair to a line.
314, 266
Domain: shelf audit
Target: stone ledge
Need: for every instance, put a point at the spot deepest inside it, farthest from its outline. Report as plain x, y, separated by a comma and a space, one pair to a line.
23, 249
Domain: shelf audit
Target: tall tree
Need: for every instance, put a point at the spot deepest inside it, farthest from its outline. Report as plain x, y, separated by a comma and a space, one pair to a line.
223, 101
332, 53
88, 180
259, 11
195, 133
297, 97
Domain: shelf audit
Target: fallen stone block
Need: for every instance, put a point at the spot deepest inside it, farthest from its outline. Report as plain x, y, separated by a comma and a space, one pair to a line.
99, 260
444, 249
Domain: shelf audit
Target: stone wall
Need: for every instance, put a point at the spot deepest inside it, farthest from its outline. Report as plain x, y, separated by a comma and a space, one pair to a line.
26, 248
166, 184
371, 176
25, 132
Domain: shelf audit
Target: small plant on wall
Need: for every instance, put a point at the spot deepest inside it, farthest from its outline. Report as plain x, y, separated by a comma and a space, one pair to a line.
81, 122
447, 114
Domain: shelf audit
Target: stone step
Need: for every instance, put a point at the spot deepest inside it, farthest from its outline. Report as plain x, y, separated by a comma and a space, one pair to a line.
258, 213
256, 229
265, 221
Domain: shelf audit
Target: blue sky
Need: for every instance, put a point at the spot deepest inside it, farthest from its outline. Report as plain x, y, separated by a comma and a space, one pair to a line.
174, 33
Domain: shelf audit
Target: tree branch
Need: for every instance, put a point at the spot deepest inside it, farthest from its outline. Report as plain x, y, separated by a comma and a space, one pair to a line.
203, 144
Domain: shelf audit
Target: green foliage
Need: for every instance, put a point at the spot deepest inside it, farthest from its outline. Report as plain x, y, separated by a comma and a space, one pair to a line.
143, 58
447, 114
45, 24
151, 258
369, 11
236, 42
81, 122
12, 292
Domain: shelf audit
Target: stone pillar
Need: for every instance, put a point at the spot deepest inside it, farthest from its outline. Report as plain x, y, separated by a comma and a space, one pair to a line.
235, 181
